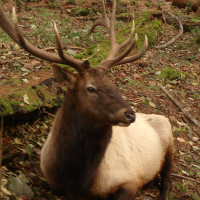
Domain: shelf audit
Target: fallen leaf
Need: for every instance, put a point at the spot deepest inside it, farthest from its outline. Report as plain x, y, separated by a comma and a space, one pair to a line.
172, 118
190, 143
197, 166
26, 99
184, 172
5, 191
195, 139
137, 76
152, 104
195, 148
180, 152
180, 140
17, 141
25, 80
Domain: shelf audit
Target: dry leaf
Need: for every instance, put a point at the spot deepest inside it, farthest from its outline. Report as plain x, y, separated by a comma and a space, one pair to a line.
181, 140
17, 141
26, 99
152, 104
25, 80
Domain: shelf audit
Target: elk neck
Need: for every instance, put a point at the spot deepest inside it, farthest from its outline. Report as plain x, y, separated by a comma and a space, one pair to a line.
80, 143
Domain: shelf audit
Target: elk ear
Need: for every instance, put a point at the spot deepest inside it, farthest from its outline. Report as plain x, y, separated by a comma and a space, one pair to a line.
64, 75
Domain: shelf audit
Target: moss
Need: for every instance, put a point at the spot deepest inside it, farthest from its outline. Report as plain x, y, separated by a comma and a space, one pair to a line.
146, 16
148, 4
152, 30
132, 2
37, 97
5, 107
171, 74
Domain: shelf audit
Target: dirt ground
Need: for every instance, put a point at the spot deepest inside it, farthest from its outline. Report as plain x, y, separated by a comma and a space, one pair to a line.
137, 82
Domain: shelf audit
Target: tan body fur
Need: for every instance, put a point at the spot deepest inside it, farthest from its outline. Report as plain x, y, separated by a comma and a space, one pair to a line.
134, 156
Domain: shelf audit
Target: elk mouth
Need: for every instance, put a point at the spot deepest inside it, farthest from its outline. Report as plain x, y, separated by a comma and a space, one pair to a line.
124, 119
119, 123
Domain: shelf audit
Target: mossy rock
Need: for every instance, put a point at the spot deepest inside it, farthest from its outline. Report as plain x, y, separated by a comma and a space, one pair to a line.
30, 98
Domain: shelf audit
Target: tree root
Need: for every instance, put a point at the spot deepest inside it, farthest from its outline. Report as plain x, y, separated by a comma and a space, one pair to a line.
183, 110
171, 41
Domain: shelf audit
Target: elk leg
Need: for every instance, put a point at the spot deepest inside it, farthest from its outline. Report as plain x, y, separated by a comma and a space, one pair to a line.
166, 184
124, 194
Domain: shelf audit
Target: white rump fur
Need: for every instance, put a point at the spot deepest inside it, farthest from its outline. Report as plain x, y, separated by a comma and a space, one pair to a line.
135, 154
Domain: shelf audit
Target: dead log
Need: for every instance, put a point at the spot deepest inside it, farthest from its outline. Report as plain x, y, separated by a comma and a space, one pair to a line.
194, 4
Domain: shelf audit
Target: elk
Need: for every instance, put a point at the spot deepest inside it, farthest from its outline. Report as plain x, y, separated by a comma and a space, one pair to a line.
98, 147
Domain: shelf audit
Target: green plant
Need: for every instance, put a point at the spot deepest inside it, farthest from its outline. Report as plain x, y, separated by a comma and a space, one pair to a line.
178, 130
172, 74
196, 32
181, 187
189, 6
54, 4
188, 159
195, 196
132, 2
148, 4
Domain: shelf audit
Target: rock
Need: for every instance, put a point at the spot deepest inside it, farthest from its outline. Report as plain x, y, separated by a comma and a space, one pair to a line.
71, 52
18, 186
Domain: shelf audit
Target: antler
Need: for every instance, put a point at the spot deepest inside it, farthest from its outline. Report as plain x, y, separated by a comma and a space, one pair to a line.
15, 33
112, 59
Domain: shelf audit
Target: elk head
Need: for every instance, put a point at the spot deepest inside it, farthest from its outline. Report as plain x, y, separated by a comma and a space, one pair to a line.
91, 86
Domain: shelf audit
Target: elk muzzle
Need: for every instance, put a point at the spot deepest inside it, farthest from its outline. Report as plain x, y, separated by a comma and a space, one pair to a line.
123, 117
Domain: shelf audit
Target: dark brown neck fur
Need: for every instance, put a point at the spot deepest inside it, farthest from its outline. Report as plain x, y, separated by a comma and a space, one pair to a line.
80, 142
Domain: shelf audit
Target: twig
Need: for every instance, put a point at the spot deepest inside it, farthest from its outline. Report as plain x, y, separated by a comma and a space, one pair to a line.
185, 177
1, 140
183, 110
162, 46
1, 146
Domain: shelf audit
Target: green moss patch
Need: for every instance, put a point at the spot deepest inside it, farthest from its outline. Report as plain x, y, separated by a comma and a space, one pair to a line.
29, 99
172, 74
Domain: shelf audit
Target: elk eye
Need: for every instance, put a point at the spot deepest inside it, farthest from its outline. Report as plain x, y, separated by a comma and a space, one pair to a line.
91, 90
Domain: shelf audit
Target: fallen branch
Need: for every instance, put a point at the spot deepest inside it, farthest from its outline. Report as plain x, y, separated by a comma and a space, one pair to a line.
185, 177
183, 110
1, 141
1, 147
162, 46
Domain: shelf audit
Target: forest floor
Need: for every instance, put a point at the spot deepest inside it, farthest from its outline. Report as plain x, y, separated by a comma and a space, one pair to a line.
177, 68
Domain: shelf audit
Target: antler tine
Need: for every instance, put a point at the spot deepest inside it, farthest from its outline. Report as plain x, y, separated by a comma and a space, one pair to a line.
113, 43
76, 64
111, 62
136, 56
124, 44
112, 59
103, 20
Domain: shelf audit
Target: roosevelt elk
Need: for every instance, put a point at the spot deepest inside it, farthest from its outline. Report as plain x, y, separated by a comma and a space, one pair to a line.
98, 148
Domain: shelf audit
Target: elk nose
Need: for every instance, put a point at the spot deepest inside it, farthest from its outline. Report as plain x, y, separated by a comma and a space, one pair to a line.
130, 116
